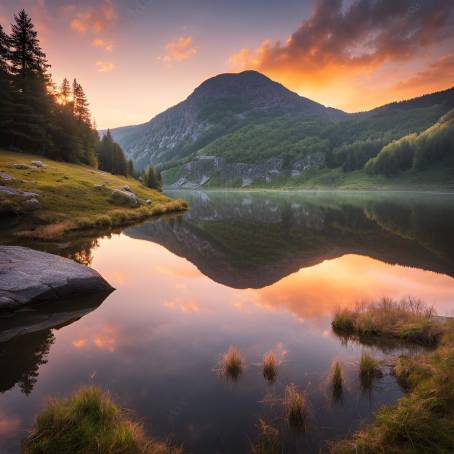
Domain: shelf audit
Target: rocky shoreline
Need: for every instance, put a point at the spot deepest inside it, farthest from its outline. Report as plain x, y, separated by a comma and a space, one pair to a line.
28, 276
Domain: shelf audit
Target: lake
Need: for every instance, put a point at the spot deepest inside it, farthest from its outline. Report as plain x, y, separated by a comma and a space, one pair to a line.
263, 271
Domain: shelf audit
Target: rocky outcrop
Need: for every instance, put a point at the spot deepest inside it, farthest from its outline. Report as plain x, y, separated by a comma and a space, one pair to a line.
28, 276
200, 171
13, 201
125, 197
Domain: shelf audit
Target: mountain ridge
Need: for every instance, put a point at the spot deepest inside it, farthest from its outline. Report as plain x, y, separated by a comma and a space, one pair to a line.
254, 129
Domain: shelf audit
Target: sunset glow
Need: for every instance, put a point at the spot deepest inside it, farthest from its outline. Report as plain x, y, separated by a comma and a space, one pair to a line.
137, 58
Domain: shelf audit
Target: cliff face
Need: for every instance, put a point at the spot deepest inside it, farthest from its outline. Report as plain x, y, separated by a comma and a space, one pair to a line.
202, 170
218, 106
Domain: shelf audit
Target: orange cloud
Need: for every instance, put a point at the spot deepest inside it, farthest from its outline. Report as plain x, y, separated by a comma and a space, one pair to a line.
79, 343
107, 46
438, 75
335, 45
94, 20
309, 292
187, 307
107, 339
104, 67
179, 50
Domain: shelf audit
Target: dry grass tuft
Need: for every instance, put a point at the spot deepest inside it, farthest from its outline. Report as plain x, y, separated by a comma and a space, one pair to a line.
233, 363
270, 366
295, 406
410, 320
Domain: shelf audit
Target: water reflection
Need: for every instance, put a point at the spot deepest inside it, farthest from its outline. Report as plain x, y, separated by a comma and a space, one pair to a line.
264, 272
254, 240
26, 338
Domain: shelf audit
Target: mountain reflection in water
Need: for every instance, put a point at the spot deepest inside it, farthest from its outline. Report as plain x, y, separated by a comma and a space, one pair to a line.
253, 240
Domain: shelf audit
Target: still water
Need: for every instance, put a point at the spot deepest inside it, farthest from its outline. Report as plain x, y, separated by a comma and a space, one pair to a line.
262, 271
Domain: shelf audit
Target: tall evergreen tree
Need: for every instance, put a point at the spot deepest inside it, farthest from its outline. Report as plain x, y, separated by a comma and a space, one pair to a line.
6, 92
81, 111
30, 81
65, 92
151, 179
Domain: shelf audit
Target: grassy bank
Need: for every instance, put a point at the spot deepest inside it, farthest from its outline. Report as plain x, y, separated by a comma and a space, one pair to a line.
74, 197
423, 420
408, 320
89, 422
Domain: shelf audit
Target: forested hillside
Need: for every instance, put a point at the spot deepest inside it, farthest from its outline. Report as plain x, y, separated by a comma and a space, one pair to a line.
417, 151
37, 116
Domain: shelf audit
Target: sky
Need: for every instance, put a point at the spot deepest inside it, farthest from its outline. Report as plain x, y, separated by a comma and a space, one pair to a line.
137, 58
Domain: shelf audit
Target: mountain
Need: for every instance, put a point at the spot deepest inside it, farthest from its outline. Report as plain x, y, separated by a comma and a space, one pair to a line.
243, 130
219, 105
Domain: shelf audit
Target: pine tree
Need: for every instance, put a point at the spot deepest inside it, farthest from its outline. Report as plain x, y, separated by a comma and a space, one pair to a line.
65, 92
80, 108
30, 81
150, 178
6, 92
26, 55
131, 172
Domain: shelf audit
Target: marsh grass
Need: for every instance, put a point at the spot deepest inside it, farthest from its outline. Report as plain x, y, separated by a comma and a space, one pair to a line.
337, 380
269, 439
409, 320
422, 421
295, 406
232, 364
270, 367
369, 370
89, 422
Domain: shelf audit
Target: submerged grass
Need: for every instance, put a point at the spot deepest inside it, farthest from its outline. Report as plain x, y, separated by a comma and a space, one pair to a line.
409, 320
89, 422
337, 375
423, 420
232, 363
75, 197
369, 370
295, 405
269, 439
270, 367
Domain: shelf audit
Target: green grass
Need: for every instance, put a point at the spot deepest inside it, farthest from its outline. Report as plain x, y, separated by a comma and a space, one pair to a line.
409, 320
76, 197
89, 422
423, 420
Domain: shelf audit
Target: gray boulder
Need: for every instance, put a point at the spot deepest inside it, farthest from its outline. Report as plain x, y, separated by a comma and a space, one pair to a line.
20, 166
5, 178
29, 276
31, 204
38, 164
125, 198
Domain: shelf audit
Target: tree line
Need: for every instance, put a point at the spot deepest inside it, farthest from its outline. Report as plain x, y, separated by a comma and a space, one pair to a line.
38, 117
417, 151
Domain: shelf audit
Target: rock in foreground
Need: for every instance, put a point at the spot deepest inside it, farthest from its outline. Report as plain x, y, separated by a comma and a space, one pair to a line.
28, 276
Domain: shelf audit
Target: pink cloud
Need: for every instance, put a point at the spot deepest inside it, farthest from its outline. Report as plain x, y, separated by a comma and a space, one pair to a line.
178, 50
